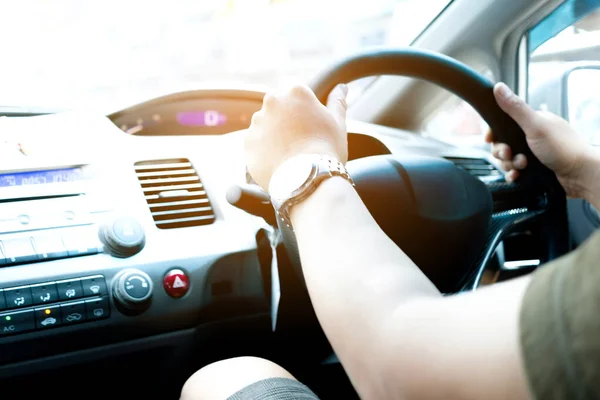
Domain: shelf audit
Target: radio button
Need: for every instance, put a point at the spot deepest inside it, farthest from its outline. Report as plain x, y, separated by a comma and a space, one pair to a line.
44, 293
70, 289
49, 247
2, 301
94, 286
18, 297
97, 308
47, 317
73, 313
19, 251
122, 237
16, 322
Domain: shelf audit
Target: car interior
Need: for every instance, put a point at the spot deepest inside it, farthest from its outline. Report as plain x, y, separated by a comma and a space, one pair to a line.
136, 249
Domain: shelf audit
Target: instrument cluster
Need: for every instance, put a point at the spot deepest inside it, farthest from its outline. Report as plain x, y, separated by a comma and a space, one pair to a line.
200, 116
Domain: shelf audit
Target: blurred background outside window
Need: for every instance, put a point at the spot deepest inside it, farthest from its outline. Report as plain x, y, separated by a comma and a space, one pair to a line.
110, 54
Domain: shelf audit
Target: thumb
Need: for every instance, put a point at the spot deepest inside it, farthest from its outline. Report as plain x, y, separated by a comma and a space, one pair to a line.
336, 103
516, 108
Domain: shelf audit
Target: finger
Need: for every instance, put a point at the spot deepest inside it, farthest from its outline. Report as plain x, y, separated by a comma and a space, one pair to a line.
511, 176
516, 107
269, 100
489, 136
256, 118
502, 151
336, 103
507, 166
520, 161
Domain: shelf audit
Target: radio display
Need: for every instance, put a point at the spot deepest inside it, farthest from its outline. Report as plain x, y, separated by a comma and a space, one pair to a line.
41, 177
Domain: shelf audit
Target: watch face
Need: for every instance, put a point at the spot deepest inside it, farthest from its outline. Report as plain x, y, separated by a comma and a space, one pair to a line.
290, 176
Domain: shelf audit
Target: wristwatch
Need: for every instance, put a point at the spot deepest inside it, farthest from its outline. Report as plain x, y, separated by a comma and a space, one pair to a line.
298, 177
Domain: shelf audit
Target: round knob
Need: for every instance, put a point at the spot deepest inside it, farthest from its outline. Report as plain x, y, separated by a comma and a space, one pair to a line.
122, 237
132, 289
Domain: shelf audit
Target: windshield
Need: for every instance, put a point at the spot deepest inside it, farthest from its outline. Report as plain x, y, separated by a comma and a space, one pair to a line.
109, 54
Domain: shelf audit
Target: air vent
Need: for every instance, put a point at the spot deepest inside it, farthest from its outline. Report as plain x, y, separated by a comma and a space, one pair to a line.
174, 193
476, 167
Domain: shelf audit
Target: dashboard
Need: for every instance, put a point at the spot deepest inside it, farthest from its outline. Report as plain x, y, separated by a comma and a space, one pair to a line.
126, 234
213, 113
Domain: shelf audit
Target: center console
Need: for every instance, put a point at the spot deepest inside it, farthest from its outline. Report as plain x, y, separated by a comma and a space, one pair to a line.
91, 254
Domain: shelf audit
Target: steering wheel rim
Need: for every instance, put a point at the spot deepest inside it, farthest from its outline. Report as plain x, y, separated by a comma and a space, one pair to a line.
449, 74
536, 182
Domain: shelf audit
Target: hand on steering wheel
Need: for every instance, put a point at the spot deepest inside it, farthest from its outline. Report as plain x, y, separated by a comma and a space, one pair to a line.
295, 122
551, 139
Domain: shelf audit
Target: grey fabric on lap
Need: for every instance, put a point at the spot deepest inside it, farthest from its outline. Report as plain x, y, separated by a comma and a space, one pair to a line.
275, 389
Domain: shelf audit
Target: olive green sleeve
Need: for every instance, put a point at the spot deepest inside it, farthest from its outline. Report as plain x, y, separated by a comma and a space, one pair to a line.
560, 326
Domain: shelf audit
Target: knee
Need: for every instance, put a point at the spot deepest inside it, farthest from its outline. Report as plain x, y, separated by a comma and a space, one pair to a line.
220, 380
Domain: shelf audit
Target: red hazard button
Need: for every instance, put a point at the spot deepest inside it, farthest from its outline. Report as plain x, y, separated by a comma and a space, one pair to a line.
176, 283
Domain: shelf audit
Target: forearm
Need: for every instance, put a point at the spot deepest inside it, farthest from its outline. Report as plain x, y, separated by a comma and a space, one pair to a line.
591, 175
357, 277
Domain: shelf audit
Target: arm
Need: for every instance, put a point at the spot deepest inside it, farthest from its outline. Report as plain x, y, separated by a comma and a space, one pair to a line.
396, 336
592, 191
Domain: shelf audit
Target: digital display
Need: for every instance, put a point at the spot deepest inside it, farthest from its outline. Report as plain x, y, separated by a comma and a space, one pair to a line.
41, 177
201, 118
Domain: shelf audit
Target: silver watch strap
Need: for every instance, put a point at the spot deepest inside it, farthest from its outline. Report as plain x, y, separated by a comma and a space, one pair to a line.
326, 167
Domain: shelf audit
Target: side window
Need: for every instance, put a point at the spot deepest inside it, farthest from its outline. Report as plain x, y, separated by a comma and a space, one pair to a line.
564, 66
564, 77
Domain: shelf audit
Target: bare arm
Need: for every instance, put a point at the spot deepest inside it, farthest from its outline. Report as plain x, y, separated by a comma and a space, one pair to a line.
592, 193
396, 336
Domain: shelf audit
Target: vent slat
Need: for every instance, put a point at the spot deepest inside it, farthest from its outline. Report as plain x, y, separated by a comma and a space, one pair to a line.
183, 216
178, 172
189, 219
467, 160
180, 204
483, 173
181, 211
174, 193
475, 166
150, 165
167, 188
160, 181
188, 196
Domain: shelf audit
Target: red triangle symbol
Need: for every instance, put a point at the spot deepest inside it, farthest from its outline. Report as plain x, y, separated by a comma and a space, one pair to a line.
178, 283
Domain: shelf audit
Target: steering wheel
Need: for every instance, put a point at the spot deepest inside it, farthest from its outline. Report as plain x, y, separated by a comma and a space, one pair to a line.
441, 216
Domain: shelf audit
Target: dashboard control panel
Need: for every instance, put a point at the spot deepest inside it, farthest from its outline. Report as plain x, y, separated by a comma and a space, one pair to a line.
71, 249
45, 247
51, 304
80, 250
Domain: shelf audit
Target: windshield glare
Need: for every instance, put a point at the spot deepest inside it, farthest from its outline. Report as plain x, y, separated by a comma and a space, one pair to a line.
110, 54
